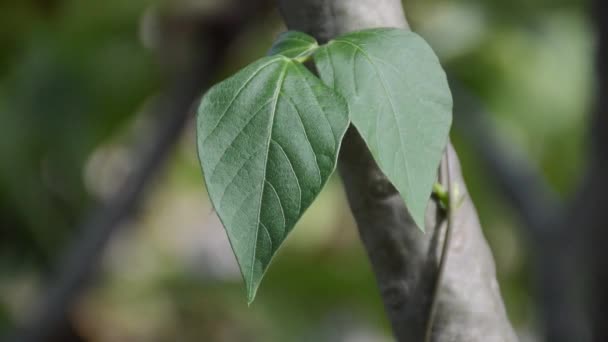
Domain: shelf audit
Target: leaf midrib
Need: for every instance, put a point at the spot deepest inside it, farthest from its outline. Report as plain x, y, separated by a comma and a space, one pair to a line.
333, 134
280, 82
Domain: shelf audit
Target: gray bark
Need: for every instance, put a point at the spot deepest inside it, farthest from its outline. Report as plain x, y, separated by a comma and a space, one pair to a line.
405, 260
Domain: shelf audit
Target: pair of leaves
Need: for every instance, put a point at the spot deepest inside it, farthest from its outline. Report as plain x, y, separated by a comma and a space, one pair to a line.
269, 136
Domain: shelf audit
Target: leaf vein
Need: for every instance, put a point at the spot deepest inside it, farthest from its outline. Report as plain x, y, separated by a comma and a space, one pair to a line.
299, 115
280, 82
333, 134
293, 171
393, 110
223, 154
268, 235
236, 174
238, 92
280, 204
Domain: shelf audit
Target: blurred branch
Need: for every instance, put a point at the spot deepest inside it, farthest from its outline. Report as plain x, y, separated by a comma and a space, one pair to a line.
590, 207
524, 188
517, 179
562, 236
599, 123
211, 38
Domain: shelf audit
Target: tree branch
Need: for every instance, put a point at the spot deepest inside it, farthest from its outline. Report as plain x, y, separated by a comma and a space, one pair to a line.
405, 260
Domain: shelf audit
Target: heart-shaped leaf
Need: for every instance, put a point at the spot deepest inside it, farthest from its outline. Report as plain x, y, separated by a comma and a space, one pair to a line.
268, 139
399, 101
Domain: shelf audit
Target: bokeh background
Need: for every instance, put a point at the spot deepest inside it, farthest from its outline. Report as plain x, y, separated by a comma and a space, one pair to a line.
76, 81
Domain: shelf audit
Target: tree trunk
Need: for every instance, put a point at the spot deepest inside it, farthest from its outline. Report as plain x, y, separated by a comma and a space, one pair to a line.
405, 260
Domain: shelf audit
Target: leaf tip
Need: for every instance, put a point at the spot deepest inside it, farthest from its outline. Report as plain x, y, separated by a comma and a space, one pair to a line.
418, 216
420, 224
252, 290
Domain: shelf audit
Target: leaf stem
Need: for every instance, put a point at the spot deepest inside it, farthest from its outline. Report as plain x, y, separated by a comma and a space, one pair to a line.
306, 55
302, 59
449, 209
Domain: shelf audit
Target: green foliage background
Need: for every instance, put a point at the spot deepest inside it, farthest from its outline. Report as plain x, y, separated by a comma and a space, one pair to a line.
74, 76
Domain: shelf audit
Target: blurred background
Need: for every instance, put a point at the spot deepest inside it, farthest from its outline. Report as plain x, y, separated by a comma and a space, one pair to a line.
80, 82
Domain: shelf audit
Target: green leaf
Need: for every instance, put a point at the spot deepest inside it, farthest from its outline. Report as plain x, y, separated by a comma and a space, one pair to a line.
293, 44
268, 139
399, 101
